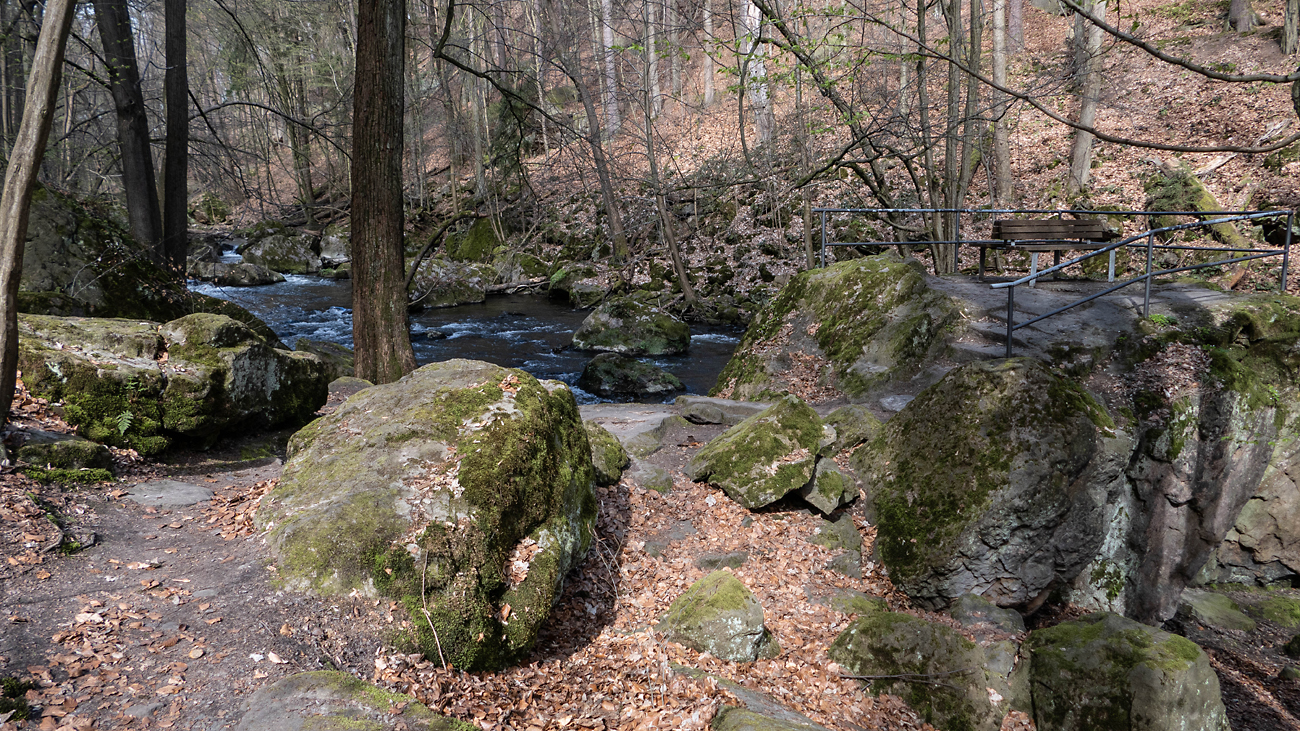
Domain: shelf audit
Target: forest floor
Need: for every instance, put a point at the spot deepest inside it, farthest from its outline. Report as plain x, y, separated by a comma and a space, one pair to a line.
173, 618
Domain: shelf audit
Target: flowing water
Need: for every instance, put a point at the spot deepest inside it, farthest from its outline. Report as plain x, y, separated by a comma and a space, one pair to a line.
518, 331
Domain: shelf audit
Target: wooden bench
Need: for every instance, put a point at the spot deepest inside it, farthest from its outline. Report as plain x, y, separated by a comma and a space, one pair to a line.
1054, 235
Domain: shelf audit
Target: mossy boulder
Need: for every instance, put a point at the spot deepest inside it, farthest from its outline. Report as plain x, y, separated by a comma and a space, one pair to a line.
447, 283
464, 490
336, 246
708, 410
872, 320
992, 481
339, 359
632, 327
1283, 611
1213, 610
281, 249
616, 376
46, 449
976, 612
970, 692
142, 385
766, 456
475, 243
718, 615
1107, 672
1176, 188
608, 457
80, 262
327, 700
243, 274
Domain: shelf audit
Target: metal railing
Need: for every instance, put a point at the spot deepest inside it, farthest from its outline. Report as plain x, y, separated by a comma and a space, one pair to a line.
1150, 246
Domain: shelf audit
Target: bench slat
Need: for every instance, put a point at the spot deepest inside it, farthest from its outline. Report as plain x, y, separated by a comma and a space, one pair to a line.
1028, 230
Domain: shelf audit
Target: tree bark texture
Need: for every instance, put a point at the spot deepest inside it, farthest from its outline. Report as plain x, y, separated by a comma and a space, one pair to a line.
755, 74
1242, 17
1081, 154
610, 100
380, 330
1290, 25
708, 57
176, 153
1002, 186
142, 209
20, 179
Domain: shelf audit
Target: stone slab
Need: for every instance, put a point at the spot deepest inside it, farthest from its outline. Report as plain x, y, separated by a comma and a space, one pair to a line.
168, 494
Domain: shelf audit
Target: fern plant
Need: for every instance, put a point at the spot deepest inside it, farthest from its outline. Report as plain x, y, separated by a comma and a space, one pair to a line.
123, 422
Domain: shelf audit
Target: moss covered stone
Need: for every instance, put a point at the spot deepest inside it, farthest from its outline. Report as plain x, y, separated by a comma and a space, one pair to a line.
1107, 672
632, 327
766, 456
612, 375
853, 424
447, 283
338, 359
476, 243
123, 383
608, 457
460, 490
732, 718
720, 616
335, 701
829, 488
1284, 611
282, 249
900, 647
1177, 188
44, 449
1213, 610
874, 320
992, 481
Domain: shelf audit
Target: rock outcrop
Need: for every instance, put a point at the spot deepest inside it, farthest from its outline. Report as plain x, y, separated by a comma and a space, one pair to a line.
464, 490
328, 699
993, 481
608, 457
143, 385
243, 274
632, 327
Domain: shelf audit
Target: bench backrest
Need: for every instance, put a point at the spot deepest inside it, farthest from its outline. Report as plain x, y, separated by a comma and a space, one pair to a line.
1048, 230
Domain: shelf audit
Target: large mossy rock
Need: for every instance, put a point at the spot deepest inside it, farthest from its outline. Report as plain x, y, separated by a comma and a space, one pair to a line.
611, 375
339, 359
718, 615
1175, 187
993, 481
872, 320
973, 686
281, 249
243, 274
475, 243
632, 327
766, 456
465, 490
447, 283
328, 700
1105, 672
142, 385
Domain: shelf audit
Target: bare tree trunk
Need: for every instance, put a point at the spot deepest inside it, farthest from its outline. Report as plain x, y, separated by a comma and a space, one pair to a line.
673, 20
1002, 186
132, 125
708, 57
1081, 154
1242, 17
20, 179
176, 157
573, 69
1015, 26
610, 101
755, 74
805, 155
1290, 23
380, 329
652, 59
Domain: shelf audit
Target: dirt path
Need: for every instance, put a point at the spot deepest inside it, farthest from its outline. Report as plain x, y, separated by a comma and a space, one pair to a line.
165, 622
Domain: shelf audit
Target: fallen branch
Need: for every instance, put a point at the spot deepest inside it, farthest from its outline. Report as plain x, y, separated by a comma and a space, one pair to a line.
512, 287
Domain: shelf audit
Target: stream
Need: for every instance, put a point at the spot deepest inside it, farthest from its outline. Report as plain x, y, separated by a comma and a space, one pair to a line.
517, 331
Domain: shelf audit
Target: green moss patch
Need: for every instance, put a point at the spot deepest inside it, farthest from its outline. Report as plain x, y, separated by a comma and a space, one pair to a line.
875, 319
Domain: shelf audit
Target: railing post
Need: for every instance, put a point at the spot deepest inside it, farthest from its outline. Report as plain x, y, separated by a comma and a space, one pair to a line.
1146, 298
1011, 316
823, 239
1286, 250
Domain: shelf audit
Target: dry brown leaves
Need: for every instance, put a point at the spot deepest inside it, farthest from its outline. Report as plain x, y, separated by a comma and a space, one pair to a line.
28, 532
232, 512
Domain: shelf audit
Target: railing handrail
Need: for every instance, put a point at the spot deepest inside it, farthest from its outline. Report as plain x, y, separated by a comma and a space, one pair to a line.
1149, 235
